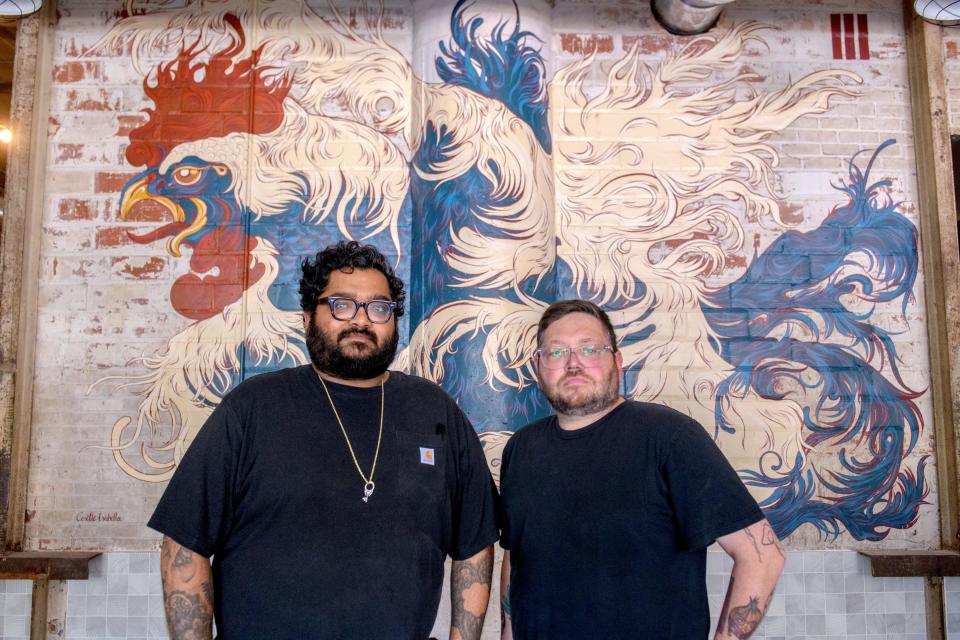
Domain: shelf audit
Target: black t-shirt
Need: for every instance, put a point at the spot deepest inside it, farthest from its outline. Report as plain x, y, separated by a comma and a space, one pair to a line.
268, 488
608, 525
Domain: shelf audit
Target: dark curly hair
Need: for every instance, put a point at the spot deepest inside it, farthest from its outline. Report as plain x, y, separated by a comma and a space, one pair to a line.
346, 256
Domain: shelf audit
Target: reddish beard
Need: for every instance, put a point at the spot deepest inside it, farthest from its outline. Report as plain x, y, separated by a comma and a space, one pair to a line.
602, 396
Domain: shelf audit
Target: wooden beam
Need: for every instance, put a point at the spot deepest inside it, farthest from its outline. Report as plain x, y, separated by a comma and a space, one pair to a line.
38, 609
64, 565
933, 599
896, 564
20, 257
940, 254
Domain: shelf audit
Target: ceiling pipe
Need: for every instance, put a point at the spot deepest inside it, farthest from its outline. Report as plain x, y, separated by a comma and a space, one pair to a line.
687, 17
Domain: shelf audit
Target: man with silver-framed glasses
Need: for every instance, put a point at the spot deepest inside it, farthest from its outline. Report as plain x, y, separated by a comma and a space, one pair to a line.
330, 494
608, 507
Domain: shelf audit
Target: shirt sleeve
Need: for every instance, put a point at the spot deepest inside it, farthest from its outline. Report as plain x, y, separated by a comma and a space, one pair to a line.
196, 509
474, 517
502, 521
708, 498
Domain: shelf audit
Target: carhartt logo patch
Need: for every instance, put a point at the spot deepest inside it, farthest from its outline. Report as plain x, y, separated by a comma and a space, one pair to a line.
426, 455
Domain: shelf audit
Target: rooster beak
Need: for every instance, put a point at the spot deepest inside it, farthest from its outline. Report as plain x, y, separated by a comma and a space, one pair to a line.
173, 245
138, 192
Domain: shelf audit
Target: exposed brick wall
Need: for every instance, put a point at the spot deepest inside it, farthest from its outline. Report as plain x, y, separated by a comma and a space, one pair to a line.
104, 300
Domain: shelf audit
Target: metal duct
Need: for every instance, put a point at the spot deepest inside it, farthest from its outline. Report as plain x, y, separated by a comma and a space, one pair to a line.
942, 12
688, 17
19, 8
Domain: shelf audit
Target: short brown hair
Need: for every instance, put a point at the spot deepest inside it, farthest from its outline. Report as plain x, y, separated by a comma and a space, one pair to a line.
565, 307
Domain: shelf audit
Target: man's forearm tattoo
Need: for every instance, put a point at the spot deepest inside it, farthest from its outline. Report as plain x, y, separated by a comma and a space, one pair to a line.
726, 605
188, 616
743, 621
207, 590
187, 595
467, 575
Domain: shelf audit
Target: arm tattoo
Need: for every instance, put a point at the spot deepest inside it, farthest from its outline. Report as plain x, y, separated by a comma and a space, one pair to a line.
207, 590
187, 593
769, 538
466, 575
187, 616
183, 557
753, 540
743, 621
726, 605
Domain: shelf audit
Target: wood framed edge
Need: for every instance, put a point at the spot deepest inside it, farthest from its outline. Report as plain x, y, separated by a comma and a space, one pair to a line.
35, 565
903, 564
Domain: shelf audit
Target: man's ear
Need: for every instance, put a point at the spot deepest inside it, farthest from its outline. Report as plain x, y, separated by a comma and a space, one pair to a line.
306, 320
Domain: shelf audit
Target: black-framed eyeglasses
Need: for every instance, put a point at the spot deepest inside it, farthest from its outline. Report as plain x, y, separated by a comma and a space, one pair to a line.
558, 357
378, 311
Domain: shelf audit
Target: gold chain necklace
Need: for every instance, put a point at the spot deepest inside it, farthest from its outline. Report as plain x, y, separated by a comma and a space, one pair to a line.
368, 485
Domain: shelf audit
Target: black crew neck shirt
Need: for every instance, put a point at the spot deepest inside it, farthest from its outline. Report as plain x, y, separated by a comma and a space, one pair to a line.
269, 489
608, 525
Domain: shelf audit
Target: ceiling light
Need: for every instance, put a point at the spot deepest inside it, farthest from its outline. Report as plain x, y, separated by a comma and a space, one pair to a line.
942, 12
19, 8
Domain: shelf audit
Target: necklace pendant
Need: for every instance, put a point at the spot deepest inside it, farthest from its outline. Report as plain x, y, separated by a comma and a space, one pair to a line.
368, 490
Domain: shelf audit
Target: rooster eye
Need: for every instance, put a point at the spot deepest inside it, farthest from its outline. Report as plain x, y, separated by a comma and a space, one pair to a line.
187, 176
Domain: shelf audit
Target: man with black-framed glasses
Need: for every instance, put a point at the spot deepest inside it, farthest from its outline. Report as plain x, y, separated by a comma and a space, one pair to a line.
330, 494
608, 507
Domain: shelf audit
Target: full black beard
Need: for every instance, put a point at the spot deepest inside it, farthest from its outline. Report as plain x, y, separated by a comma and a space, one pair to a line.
328, 357
604, 398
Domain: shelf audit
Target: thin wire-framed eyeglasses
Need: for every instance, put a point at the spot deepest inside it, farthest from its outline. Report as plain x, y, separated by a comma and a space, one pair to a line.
378, 311
557, 357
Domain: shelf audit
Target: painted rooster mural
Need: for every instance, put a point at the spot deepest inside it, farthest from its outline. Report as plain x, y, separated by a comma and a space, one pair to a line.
276, 129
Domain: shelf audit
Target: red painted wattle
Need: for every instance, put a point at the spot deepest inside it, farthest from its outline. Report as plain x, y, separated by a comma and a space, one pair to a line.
201, 297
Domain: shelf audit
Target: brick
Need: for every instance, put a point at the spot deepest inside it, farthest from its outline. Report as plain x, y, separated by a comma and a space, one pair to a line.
394, 19
573, 43
845, 151
111, 182
112, 237
824, 163
146, 211
64, 152
651, 43
816, 135
68, 269
831, 122
91, 100
139, 268
74, 72
68, 181
127, 123
85, 126
76, 209
62, 240
801, 149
